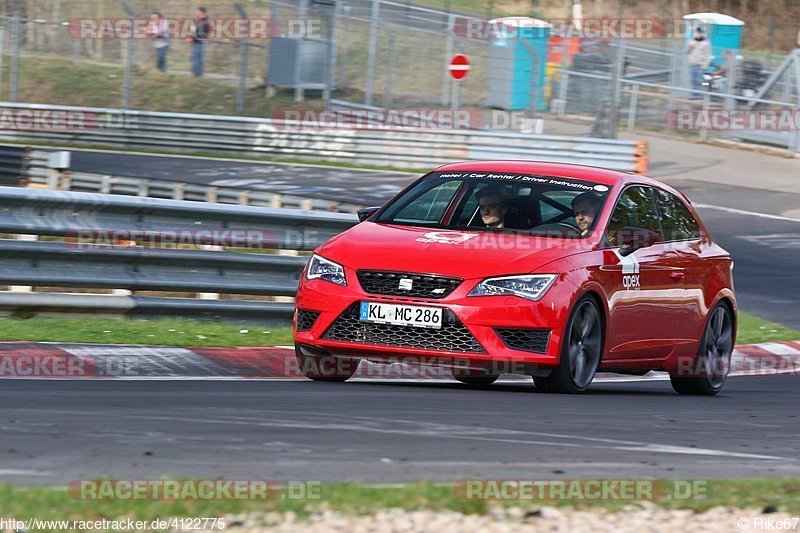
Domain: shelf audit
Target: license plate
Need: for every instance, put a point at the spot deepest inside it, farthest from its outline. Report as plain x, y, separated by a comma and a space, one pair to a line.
401, 315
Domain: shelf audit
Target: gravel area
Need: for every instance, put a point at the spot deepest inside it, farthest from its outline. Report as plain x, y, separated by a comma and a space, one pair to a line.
631, 519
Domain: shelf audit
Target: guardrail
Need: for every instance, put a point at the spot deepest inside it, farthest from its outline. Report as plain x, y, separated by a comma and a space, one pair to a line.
100, 247
254, 137
133, 186
14, 165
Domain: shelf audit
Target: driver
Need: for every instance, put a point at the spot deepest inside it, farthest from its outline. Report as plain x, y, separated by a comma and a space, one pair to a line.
585, 208
493, 207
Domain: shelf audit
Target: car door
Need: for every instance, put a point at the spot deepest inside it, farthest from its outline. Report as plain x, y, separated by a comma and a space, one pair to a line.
645, 290
683, 252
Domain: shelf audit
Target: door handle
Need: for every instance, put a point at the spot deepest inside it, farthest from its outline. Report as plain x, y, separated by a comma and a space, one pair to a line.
677, 275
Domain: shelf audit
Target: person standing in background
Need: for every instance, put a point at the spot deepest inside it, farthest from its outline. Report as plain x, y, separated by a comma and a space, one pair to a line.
202, 31
699, 57
159, 33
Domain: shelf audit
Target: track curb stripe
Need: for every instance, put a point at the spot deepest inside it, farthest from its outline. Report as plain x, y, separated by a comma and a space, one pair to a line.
109, 361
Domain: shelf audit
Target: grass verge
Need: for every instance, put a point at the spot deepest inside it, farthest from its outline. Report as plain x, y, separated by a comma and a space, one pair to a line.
752, 330
184, 332
46, 80
170, 332
351, 498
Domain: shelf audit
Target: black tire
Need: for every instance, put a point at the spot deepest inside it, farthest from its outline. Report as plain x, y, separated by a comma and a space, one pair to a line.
326, 368
713, 356
581, 351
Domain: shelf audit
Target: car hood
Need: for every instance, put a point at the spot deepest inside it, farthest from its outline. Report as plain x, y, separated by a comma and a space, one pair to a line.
464, 254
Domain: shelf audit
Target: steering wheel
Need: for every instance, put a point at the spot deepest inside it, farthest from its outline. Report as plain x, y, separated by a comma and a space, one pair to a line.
572, 230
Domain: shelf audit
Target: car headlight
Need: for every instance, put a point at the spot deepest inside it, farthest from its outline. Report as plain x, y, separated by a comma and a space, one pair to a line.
321, 268
531, 287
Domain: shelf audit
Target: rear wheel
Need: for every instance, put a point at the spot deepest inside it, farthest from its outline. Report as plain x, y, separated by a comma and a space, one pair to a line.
581, 352
325, 367
713, 358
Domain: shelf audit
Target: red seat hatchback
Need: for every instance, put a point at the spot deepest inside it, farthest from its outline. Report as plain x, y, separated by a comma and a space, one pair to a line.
552, 270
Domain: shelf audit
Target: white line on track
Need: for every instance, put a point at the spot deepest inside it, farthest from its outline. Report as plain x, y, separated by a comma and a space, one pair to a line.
747, 213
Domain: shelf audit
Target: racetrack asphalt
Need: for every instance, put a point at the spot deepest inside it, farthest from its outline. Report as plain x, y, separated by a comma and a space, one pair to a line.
57, 431
372, 187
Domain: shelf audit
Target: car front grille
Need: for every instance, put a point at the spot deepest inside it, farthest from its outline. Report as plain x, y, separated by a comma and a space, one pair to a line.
529, 340
306, 319
421, 285
452, 337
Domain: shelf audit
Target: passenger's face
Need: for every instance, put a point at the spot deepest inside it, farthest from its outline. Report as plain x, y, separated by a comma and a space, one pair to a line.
492, 210
584, 215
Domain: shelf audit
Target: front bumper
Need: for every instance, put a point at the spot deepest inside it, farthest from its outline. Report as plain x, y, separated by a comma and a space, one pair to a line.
468, 338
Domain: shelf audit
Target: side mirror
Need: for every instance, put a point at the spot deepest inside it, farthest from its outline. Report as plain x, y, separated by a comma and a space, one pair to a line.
633, 239
364, 214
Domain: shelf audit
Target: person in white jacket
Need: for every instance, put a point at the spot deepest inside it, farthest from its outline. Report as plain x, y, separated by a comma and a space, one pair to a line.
158, 30
698, 51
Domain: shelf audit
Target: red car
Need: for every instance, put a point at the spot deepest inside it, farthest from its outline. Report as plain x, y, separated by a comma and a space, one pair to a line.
552, 270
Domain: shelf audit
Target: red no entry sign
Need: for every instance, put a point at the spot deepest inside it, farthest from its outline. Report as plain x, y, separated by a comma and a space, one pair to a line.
459, 67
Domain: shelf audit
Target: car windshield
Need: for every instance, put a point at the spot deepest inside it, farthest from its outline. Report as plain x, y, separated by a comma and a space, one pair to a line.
504, 201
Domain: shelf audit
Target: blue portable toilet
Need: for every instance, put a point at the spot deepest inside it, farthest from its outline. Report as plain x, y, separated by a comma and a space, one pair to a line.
724, 32
518, 63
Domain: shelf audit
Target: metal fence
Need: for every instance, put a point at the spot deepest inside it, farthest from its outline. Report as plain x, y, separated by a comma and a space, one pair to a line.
640, 87
14, 163
95, 241
36, 46
384, 53
399, 147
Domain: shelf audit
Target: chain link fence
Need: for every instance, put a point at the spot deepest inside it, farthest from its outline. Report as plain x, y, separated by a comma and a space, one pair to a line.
83, 52
386, 54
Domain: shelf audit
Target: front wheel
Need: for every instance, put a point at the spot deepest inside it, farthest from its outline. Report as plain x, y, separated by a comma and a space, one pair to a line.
581, 351
325, 367
713, 358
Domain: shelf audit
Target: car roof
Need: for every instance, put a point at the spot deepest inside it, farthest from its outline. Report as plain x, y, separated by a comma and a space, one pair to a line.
561, 170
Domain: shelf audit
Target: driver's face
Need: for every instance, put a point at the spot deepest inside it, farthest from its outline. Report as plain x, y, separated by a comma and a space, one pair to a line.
584, 215
492, 210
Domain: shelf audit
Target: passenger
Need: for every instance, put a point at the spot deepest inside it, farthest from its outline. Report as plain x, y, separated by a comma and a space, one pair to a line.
585, 208
493, 207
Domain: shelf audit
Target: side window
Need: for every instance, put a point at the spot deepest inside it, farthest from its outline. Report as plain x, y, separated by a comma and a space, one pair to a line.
430, 205
634, 209
679, 224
